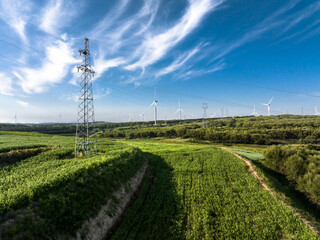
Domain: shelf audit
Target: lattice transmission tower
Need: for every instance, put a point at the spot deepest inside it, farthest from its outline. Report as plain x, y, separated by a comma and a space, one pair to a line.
86, 139
204, 121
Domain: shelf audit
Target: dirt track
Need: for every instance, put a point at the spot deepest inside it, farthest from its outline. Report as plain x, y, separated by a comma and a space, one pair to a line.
266, 187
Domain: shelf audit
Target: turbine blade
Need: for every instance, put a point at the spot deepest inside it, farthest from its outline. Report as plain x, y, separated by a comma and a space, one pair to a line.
270, 100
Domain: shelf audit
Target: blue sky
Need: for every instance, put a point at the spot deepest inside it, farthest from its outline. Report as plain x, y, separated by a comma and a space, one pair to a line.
231, 54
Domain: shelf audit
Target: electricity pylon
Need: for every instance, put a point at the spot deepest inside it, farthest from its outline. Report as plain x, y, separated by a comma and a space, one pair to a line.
204, 121
86, 139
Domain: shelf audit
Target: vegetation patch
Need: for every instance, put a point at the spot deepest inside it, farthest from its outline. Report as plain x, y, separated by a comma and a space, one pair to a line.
13, 156
53, 193
200, 192
300, 165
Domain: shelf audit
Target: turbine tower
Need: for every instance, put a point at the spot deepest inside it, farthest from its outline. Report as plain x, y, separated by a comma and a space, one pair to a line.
86, 139
254, 113
268, 105
316, 111
142, 116
179, 110
204, 121
155, 103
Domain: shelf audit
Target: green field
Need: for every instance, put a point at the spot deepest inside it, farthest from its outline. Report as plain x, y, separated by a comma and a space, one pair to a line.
192, 191
201, 192
44, 193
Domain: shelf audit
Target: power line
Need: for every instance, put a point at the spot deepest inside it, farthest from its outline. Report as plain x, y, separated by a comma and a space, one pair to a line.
20, 43
262, 87
15, 61
23, 49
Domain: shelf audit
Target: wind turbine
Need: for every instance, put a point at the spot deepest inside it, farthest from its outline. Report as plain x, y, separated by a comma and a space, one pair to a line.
179, 110
316, 111
142, 116
268, 104
155, 103
254, 113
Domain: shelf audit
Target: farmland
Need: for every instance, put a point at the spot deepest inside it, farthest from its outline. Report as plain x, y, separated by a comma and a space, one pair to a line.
205, 193
45, 192
192, 191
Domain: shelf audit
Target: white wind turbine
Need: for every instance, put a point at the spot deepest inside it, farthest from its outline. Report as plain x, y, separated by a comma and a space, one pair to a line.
155, 103
316, 111
254, 113
268, 104
179, 110
213, 115
142, 116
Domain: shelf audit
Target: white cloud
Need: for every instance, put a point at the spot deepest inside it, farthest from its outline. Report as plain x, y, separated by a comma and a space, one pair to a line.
178, 63
102, 93
303, 14
15, 14
218, 66
53, 70
5, 85
102, 65
56, 14
70, 97
109, 19
277, 20
113, 32
22, 103
155, 47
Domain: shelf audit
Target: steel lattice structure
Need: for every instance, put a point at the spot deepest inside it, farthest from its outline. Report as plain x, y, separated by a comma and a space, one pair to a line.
86, 140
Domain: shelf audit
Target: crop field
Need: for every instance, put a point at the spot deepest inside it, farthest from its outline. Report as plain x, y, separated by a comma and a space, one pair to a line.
44, 193
192, 191
201, 192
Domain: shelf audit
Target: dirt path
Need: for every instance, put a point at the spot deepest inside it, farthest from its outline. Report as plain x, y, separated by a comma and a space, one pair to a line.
266, 187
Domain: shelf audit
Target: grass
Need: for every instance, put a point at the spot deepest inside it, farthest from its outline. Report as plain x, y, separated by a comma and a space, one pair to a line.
41, 195
193, 191
201, 192
282, 187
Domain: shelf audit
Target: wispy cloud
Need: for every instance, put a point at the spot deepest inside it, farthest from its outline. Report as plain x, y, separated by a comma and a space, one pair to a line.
102, 93
5, 85
109, 19
54, 68
156, 46
15, 14
178, 63
301, 15
22, 103
280, 19
122, 33
56, 14
101, 65
217, 66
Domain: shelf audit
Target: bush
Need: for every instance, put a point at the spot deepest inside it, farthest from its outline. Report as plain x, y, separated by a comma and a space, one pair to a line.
300, 165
